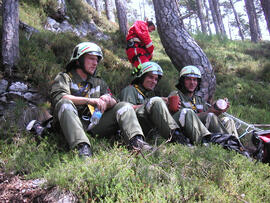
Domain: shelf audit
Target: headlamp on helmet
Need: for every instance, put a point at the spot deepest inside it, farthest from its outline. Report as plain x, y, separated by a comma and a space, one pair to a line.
147, 67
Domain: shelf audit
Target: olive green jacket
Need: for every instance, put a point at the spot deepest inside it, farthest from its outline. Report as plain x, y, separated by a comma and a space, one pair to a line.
72, 84
135, 94
196, 103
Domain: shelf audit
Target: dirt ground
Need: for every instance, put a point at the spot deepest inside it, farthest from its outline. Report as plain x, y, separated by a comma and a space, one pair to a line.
16, 189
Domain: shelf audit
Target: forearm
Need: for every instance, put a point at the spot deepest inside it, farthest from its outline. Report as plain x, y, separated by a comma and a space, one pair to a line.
77, 100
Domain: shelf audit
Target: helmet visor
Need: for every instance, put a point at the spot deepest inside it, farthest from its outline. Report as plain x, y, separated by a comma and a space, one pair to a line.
192, 75
157, 72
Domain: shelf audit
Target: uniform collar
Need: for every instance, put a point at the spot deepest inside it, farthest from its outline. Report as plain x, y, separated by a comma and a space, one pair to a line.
77, 78
186, 95
146, 93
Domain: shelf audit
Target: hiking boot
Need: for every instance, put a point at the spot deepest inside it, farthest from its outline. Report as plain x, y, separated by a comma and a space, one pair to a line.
84, 150
180, 138
206, 140
36, 127
137, 143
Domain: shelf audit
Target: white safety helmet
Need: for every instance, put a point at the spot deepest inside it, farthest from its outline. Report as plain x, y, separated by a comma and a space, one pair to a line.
84, 48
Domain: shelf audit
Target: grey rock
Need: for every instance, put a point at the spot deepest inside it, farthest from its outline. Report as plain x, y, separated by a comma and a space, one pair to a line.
3, 86
52, 25
18, 87
28, 96
57, 195
3, 99
65, 27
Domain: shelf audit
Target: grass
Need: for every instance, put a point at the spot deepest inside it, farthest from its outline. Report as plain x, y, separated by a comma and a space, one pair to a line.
174, 173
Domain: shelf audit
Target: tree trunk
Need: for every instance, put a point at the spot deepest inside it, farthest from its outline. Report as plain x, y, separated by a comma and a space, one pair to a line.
201, 16
214, 17
229, 27
252, 21
122, 16
237, 21
257, 22
219, 17
180, 46
207, 18
109, 10
266, 10
98, 7
10, 35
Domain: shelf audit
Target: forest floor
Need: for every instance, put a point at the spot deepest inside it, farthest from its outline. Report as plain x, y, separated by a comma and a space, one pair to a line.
14, 188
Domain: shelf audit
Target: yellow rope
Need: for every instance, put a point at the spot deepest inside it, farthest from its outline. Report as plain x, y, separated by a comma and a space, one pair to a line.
137, 88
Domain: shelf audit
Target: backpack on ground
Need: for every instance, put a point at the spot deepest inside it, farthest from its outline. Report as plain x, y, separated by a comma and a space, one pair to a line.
227, 141
261, 141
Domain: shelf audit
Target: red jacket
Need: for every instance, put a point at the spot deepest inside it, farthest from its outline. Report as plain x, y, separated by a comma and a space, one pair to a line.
142, 49
139, 32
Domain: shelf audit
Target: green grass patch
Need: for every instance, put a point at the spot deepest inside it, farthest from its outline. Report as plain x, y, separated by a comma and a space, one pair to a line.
175, 173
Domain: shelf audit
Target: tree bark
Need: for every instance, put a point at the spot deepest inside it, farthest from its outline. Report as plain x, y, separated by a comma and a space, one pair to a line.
237, 21
214, 17
266, 10
181, 47
201, 16
254, 33
257, 21
219, 17
207, 18
109, 10
10, 35
98, 7
122, 16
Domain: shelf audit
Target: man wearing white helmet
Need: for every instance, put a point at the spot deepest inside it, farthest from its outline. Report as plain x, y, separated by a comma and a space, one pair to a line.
194, 115
152, 111
78, 91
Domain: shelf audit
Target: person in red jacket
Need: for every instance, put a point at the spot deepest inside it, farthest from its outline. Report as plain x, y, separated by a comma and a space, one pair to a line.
139, 44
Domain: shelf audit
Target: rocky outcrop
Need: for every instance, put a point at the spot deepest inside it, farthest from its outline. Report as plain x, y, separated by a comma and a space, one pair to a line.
10, 93
58, 22
80, 30
14, 188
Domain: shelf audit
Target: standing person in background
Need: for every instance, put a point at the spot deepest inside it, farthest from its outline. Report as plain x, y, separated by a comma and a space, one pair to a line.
75, 94
193, 115
140, 47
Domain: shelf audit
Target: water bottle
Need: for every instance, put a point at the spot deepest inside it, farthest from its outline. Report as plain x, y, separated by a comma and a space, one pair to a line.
94, 119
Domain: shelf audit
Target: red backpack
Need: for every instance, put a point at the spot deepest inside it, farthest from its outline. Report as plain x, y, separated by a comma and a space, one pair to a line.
261, 140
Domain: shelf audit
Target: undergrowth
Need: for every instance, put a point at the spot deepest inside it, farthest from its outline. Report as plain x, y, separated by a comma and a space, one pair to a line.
175, 173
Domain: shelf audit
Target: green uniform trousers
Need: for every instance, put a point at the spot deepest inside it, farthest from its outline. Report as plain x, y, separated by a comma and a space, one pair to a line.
214, 124
196, 126
122, 116
155, 114
191, 125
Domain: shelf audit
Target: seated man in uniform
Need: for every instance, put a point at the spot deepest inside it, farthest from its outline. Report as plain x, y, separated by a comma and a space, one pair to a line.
194, 115
152, 111
75, 94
